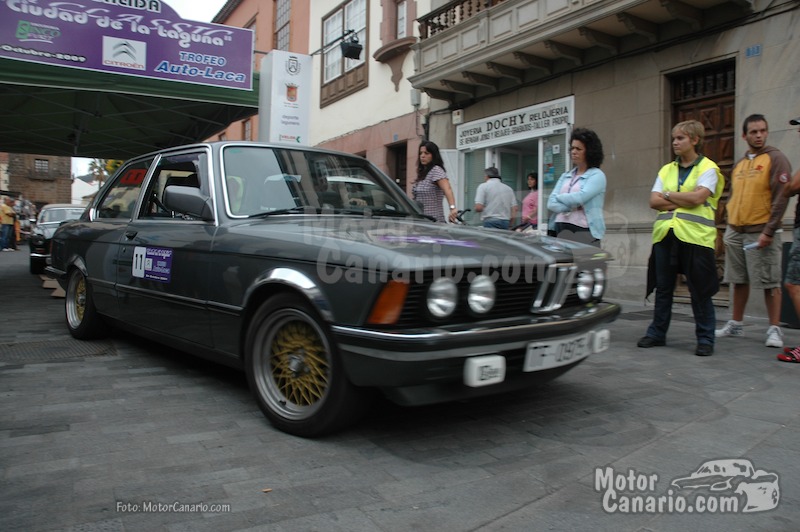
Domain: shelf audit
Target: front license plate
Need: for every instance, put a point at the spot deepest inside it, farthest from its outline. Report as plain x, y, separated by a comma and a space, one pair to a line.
558, 352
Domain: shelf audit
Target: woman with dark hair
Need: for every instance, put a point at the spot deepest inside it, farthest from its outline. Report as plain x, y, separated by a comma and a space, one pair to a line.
577, 199
432, 184
530, 203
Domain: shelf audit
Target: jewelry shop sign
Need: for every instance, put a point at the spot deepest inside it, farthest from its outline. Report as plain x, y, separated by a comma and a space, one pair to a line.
534, 121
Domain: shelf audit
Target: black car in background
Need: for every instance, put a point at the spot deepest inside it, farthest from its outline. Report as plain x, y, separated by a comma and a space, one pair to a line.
315, 273
50, 217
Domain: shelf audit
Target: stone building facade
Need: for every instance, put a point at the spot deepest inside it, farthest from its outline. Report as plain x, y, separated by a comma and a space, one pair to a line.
41, 179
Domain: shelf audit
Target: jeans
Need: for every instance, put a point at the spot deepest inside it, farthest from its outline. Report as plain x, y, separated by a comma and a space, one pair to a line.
697, 263
497, 223
6, 234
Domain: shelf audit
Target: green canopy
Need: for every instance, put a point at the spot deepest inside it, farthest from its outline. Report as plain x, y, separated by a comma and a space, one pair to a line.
52, 110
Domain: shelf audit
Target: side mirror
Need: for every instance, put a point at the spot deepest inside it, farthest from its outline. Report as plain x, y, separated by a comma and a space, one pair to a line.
189, 201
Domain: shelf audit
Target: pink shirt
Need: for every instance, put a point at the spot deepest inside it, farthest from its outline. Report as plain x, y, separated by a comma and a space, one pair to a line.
530, 206
577, 217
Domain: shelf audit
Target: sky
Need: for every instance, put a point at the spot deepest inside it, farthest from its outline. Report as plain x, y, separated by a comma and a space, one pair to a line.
202, 10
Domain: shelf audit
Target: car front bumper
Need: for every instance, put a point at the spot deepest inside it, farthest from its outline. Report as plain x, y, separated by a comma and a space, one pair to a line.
432, 365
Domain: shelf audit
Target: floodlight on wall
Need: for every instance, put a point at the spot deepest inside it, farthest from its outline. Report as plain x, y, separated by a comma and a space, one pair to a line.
351, 48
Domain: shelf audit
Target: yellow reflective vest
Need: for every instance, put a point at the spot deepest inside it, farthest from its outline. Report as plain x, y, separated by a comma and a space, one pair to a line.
693, 225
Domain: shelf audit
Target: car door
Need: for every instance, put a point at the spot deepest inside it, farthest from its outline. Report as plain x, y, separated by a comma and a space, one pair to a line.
163, 258
98, 241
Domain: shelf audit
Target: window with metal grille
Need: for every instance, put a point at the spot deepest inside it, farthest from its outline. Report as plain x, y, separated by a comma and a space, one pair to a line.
283, 9
247, 130
703, 83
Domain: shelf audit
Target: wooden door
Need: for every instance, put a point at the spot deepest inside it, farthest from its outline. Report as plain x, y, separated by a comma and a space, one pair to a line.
708, 96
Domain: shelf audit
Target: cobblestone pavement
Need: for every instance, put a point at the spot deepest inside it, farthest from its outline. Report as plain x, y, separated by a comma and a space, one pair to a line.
123, 434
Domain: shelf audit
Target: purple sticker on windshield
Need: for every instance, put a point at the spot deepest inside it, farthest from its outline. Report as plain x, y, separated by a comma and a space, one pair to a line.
418, 239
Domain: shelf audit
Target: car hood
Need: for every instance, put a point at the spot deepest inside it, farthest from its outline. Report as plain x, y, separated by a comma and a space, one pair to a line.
415, 243
46, 230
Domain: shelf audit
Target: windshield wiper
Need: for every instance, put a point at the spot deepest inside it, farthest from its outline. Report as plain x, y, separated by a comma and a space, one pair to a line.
291, 210
389, 212
369, 211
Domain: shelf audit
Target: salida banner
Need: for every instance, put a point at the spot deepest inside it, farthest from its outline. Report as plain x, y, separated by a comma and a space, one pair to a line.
143, 38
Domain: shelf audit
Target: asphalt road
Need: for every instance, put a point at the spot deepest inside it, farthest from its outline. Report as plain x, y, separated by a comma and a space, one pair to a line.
123, 434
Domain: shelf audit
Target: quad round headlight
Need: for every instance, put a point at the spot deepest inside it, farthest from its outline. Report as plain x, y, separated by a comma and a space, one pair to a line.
585, 285
591, 284
442, 297
599, 283
481, 296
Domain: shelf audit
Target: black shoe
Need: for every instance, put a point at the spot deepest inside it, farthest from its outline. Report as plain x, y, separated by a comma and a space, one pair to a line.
649, 341
704, 350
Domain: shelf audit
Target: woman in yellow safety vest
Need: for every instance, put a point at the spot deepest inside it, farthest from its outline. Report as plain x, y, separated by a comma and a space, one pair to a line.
685, 194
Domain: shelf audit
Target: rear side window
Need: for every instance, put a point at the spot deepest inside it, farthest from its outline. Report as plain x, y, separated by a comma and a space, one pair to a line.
120, 197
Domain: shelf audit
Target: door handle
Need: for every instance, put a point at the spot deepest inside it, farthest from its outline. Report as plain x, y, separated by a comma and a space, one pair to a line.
130, 235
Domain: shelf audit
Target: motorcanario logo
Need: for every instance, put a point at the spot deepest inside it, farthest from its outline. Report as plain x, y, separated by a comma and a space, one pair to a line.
729, 485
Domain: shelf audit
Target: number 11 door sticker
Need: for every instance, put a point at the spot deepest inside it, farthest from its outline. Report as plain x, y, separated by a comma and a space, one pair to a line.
154, 264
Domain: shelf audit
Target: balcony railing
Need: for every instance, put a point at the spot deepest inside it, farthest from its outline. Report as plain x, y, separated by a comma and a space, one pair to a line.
451, 14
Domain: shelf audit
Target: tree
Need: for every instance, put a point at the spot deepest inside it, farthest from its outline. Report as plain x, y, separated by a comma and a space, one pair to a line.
97, 167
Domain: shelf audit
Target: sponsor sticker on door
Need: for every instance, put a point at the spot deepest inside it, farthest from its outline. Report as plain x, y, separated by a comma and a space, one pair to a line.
154, 264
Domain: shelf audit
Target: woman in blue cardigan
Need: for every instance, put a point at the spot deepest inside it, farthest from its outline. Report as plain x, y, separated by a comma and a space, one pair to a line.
576, 203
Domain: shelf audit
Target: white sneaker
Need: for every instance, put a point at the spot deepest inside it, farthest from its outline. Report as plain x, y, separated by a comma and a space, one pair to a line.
774, 337
732, 328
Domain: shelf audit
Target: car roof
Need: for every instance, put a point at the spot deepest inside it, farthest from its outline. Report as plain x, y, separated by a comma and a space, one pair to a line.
63, 206
219, 144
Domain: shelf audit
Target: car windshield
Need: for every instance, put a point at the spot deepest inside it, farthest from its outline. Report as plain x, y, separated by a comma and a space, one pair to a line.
261, 181
50, 216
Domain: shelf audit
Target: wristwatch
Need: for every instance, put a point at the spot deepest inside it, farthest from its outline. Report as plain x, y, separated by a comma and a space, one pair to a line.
666, 196
452, 207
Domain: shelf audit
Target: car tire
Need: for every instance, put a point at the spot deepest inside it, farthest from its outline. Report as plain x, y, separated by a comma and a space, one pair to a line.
295, 371
83, 320
37, 267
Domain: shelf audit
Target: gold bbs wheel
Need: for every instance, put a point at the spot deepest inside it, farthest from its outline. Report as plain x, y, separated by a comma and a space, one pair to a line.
76, 304
83, 320
294, 369
297, 358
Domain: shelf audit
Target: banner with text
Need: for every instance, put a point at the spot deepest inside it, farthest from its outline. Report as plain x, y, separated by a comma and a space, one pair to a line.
144, 38
534, 121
